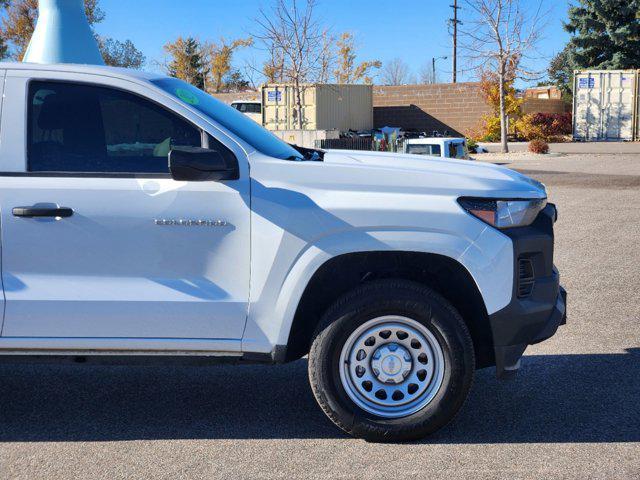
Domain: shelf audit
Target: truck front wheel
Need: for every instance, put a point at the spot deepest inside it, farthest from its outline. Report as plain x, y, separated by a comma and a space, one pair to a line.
391, 361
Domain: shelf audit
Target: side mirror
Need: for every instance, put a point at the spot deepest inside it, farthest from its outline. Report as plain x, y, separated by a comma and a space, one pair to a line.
195, 164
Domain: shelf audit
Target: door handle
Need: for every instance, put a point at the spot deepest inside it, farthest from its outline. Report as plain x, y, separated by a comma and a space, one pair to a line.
33, 212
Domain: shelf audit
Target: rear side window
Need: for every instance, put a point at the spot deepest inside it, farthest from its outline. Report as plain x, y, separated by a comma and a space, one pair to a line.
79, 128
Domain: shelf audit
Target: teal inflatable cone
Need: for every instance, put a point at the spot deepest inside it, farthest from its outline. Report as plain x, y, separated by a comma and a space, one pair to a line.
63, 35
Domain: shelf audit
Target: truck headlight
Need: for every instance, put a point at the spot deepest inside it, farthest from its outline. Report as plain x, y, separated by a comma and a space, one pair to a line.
504, 213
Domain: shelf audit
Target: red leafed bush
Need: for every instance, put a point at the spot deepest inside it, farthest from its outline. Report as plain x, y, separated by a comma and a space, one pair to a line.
538, 145
547, 126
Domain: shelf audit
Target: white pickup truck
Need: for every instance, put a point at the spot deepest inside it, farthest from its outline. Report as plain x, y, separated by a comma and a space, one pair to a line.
446, 147
142, 218
252, 109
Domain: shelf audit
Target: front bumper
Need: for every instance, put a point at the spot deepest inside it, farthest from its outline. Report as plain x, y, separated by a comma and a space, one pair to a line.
538, 305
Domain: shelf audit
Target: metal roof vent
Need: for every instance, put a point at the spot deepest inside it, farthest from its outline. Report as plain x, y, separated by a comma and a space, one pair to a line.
63, 35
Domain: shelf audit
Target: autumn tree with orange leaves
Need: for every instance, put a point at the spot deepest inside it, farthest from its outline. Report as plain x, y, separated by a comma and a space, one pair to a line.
187, 61
219, 57
348, 71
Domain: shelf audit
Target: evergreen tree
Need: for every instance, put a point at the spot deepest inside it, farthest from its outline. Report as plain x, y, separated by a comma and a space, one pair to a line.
235, 82
186, 61
121, 54
560, 72
606, 34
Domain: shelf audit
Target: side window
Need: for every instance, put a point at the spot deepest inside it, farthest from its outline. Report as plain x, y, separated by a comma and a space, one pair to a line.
248, 107
435, 150
452, 150
80, 128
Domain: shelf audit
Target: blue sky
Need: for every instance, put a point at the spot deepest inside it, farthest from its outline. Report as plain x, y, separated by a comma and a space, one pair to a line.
414, 30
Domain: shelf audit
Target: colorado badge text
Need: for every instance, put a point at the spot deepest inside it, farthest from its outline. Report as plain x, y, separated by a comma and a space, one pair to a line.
191, 223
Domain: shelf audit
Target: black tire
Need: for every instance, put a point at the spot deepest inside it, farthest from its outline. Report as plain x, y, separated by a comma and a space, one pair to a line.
373, 300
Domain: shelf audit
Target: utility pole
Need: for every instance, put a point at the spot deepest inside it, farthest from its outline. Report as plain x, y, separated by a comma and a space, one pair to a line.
454, 23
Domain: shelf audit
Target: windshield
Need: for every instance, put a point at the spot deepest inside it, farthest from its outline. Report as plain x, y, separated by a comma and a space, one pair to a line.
230, 118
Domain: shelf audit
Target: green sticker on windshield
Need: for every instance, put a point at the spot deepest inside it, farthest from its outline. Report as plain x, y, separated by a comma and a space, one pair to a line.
187, 96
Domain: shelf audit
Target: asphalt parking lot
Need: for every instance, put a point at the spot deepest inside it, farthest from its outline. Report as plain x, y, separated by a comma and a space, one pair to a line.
573, 411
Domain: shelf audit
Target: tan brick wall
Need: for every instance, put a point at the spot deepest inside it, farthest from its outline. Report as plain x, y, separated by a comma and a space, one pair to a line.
457, 108
541, 105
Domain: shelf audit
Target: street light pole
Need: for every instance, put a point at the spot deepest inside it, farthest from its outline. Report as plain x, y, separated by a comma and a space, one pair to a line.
433, 67
433, 70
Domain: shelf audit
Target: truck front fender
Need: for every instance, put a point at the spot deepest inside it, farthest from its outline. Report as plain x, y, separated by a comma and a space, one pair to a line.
279, 289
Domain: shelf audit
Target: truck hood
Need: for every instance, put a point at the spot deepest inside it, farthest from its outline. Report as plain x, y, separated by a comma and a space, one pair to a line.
467, 177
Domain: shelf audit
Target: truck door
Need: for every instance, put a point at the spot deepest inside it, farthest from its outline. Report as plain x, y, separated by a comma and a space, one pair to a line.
2, 76
98, 241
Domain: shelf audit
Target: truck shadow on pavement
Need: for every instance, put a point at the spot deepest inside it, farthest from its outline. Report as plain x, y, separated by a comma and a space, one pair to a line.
556, 398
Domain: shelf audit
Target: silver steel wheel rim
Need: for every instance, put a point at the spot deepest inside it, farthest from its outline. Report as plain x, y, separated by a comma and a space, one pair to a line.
392, 366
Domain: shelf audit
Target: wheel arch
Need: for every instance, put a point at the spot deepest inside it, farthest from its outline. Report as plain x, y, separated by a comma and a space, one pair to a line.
340, 274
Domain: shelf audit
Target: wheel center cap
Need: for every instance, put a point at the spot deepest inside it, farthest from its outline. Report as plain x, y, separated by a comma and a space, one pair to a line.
391, 363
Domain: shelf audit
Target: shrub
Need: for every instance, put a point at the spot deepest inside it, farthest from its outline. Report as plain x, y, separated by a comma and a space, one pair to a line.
539, 146
472, 145
489, 129
545, 126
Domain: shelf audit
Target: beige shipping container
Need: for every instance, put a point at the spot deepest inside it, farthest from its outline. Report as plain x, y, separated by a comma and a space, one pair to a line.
604, 105
324, 107
306, 138
636, 112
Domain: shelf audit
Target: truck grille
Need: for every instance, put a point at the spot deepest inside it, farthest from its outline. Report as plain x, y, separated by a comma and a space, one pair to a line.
526, 277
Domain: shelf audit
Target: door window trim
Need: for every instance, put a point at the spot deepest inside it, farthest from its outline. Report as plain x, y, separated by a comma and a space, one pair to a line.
204, 136
86, 175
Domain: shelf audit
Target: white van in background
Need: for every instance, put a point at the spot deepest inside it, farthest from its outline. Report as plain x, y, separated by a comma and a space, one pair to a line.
251, 108
446, 147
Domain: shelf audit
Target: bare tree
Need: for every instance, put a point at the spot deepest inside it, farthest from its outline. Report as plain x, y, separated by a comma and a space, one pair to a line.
500, 37
396, 72
291, 30
273, 67
327, 57
427, 74
252, 72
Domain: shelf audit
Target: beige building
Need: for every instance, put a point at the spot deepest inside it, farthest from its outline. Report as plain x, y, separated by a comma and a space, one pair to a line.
547, 92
